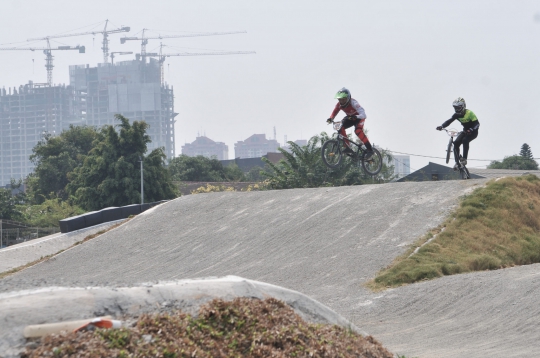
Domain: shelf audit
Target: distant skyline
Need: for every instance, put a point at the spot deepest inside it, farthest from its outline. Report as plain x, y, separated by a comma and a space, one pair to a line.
405, 62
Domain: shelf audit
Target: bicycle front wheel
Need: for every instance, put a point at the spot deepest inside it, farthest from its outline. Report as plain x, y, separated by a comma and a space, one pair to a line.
374, 165
331, 153
449, 150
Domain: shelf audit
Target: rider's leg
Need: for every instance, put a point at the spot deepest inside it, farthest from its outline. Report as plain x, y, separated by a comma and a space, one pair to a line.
457, 143
359, 130
466, 140
346, 124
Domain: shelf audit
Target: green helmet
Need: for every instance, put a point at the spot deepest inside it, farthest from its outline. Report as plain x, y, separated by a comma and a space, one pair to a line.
343, 93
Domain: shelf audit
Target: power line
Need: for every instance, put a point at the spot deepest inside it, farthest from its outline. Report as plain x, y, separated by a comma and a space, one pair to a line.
478, 160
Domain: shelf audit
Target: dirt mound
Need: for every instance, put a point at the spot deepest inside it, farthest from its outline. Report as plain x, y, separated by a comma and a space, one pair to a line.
243, 327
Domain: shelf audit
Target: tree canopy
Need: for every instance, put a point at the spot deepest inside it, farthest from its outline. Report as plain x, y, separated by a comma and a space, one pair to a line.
9, 203
526, 152
55, 157
110, 173
523, 161
199, 168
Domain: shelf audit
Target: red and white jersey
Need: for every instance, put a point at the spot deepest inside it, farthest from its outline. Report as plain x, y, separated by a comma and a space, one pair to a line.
352, 109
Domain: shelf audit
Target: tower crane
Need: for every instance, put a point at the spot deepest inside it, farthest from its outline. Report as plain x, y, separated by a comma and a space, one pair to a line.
105, 34
118, 53
161, 56
48, 55
144, 40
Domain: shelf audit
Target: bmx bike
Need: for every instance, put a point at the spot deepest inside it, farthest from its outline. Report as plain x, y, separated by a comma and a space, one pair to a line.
332, 153
463, 171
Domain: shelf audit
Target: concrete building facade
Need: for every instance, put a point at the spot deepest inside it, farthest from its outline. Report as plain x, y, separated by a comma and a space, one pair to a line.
131, 88
207, 148
26, 115
402, 165
93, 97
255, 146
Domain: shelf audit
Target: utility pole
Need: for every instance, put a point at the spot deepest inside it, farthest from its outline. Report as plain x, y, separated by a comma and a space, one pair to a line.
142, 182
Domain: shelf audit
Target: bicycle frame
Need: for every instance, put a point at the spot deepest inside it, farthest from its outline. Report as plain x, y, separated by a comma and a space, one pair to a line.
464, 172
342, 139
371, 166
452, 133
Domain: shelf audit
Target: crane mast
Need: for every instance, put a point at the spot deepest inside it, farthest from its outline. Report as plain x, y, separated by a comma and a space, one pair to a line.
48, 55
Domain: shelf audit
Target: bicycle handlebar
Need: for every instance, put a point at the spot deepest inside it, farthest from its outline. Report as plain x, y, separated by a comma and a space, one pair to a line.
452, 132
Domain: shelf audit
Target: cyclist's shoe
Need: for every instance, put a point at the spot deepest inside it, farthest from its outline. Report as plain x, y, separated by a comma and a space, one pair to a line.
456, 167
463, 161
369, 155
348, 151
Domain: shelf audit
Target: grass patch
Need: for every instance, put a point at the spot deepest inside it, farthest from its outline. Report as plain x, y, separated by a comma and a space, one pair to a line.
244, 327
496, 226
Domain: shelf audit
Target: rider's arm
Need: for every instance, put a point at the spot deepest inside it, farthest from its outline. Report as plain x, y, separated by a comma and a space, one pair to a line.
448, 122
335, 111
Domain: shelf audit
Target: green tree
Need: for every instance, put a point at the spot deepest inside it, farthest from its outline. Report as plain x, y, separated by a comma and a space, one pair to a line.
526, 152
110, 173
254, 174
48, 213
304, 168
199, 168
9, 203
523, 161
233, 172
515, 162
55, 157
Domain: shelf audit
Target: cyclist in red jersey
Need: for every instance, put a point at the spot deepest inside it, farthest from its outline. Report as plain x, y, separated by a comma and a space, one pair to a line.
355, 116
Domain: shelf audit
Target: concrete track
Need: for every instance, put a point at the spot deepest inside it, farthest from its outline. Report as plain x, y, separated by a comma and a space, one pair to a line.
324, 243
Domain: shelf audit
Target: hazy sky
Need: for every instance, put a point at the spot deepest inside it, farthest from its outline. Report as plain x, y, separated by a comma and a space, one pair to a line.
404, 61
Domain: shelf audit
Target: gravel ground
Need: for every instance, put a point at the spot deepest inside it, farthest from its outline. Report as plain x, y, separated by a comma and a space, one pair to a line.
325, 243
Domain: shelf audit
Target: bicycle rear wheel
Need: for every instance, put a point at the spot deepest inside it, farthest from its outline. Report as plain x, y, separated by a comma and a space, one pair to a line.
449, 150
464, 172
374, 165
331, 153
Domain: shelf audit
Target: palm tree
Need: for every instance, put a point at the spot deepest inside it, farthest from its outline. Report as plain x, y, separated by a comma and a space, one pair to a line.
303, 167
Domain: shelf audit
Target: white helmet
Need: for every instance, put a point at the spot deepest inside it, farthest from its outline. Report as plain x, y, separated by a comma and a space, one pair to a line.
459, 105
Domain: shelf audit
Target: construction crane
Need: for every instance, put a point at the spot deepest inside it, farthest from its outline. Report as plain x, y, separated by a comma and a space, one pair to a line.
144, 40
161, 56
118, 53
105, 34
48, 55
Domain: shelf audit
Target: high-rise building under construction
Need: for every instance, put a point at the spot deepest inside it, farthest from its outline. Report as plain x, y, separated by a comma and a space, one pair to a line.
93, 97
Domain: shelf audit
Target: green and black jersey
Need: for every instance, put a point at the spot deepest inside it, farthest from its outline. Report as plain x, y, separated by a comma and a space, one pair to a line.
467, 119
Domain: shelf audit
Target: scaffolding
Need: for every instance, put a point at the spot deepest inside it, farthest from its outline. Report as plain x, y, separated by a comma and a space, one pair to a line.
26, 114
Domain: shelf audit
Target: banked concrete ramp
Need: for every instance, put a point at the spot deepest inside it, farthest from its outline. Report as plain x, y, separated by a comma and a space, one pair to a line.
325, 243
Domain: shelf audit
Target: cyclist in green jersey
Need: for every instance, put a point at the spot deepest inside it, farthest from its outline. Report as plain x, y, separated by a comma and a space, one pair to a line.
470, 129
